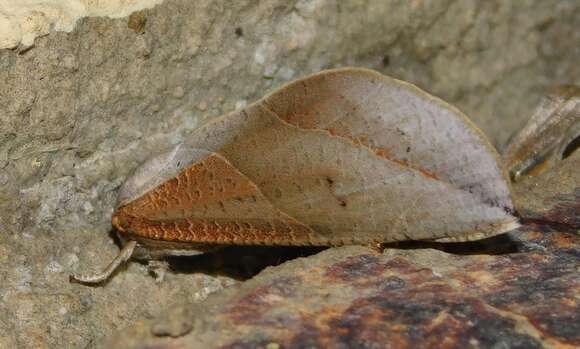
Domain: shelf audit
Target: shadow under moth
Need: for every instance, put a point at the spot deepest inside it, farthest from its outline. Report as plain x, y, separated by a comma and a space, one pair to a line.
342, 157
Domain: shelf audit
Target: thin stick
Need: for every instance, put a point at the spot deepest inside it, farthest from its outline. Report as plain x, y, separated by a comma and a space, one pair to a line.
96, 278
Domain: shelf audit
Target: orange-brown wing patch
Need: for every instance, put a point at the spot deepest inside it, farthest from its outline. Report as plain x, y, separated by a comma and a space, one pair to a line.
210, 201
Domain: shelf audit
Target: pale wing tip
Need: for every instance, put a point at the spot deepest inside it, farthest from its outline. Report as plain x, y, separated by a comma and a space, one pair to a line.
497, 229
509, 226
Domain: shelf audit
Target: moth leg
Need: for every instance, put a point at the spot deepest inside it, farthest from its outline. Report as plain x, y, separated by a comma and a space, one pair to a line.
96, 278
158, 268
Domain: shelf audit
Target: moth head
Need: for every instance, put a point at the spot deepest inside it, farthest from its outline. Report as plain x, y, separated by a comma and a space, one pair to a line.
157, 170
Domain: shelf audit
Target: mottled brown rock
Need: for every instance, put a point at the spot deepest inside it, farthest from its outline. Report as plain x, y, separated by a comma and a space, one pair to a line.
353, 298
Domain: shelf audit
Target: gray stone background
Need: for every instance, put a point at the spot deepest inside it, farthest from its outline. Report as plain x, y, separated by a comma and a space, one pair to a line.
79, 111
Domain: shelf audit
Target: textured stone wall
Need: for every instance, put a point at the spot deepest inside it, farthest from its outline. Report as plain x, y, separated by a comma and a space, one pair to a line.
80, 110
23, 21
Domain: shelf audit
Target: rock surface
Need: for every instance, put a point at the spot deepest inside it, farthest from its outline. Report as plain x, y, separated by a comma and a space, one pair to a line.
553, 199
352, 298
80, 110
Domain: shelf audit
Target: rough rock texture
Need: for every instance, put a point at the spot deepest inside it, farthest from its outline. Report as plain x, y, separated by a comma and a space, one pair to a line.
553, 199
352, 298
519, 290
22, 21
80, 110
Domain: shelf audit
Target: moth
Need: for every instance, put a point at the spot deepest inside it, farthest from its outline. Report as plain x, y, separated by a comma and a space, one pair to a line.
342, 157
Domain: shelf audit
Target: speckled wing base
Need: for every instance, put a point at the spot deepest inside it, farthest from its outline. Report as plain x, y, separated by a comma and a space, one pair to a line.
210, 201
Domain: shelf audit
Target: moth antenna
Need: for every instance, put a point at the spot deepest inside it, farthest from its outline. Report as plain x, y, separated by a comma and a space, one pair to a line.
96, 278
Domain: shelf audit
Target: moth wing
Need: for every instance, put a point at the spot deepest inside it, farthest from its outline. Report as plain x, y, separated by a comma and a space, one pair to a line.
330, 154
401, 121
158, 169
